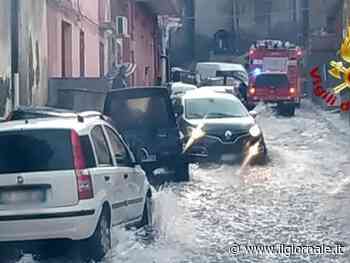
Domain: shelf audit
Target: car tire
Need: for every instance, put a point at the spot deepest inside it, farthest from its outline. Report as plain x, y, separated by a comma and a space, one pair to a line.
262, 158
100, 242
290, 110
146, 220
286, 109
182, 171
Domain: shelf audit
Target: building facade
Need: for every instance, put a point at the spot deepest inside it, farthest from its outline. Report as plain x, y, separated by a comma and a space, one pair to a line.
141, 44
230, 26
81, 45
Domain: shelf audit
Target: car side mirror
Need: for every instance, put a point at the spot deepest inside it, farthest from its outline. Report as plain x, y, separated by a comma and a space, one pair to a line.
253, 113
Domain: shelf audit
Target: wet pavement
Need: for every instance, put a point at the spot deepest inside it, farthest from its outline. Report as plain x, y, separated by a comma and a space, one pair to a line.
302, 197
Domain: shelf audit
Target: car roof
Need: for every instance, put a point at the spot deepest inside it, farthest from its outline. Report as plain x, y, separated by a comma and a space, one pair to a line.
182, 85
223, 66
81, 127
139, 89
273, 73
198, 93
42, 109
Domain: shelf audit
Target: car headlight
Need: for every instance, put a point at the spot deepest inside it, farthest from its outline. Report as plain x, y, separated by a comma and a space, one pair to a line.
255, 131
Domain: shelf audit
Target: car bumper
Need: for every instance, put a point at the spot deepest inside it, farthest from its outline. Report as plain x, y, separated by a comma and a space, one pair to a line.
75, 223
255, 101
213, 149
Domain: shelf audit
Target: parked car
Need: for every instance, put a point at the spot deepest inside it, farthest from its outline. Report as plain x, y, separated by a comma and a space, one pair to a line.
35, 112
146, 119
228, 131
179, 89
71, 178
220, 89
212, 70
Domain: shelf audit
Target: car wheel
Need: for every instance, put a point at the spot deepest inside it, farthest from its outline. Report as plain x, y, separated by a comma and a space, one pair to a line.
182, 171
290, 110
100, 242
146, 220
262, 158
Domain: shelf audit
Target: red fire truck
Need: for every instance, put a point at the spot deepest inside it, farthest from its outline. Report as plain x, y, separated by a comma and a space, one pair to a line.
275, 75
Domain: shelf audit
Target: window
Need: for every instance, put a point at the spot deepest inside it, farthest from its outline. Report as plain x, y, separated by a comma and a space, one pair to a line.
88, 151
275, 80
140, 113
263, 10
118, 149
293, 8
66, 49
82, 53
101, 147
35, 151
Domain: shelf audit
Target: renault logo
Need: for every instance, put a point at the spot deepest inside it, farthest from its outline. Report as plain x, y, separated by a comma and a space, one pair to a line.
20, 180
228, 135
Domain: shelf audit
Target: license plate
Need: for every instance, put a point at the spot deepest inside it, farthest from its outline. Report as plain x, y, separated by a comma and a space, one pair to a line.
22, 197
228, 157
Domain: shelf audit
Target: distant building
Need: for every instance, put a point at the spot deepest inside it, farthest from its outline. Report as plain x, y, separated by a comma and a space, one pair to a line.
228, 27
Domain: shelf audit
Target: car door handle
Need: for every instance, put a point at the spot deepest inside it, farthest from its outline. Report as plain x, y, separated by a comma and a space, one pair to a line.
126, 176
107, 178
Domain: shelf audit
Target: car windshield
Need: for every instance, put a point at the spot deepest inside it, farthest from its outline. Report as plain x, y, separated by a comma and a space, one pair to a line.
138, 113
211, 108
35, 151
276, 80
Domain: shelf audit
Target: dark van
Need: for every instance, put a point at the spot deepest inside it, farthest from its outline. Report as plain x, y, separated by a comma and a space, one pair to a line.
146, 119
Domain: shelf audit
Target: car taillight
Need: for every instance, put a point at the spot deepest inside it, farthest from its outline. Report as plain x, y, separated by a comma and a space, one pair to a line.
292, 90
252, 91
84, 182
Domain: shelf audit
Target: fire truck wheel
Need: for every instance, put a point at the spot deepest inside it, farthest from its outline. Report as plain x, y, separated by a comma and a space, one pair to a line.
286, 109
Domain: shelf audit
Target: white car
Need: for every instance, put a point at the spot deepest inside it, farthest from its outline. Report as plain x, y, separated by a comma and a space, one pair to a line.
180, 88
71, 178
210, 70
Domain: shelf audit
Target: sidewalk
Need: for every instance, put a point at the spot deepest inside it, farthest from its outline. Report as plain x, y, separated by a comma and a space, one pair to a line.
333, 116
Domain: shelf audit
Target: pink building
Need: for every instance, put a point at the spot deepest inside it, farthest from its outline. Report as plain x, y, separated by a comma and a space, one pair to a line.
141, 46
78, 46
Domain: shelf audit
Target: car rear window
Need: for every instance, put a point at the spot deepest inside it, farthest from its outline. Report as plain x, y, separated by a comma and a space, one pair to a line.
139, 113
35, 151
271, 80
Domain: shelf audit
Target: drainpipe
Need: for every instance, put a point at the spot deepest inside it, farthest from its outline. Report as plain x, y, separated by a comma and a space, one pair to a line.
14, 93
166, 25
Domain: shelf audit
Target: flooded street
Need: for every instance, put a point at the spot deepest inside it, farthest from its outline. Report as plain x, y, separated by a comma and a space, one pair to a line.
301, 197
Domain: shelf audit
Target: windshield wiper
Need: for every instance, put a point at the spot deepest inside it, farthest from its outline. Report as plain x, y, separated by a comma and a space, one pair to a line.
222, 115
